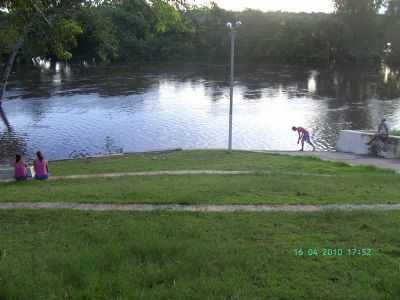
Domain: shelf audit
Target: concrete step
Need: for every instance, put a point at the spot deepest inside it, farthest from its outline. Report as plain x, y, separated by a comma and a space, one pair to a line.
6, 173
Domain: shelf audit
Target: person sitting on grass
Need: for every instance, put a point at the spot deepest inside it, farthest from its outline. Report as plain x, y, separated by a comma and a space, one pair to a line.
20, 169
304, 136
41, 167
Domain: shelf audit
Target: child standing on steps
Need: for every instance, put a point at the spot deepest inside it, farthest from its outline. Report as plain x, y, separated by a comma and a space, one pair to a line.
304, 136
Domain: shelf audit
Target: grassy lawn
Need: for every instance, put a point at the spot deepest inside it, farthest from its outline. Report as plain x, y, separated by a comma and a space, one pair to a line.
271, 189
206, 160
76, 255
345, 185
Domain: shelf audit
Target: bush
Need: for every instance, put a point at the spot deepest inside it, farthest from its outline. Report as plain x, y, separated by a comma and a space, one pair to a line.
395, 132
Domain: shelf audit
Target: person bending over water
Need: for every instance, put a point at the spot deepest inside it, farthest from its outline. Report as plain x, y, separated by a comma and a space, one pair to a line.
20, 169
304, 136
41, 167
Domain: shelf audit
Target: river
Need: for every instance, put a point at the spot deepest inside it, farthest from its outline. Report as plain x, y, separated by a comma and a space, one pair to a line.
79, 110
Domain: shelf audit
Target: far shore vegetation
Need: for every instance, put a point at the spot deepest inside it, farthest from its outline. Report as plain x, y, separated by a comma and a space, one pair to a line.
359, 31
395, 132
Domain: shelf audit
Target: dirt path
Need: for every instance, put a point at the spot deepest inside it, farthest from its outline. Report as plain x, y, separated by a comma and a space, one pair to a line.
178, 173
199, 208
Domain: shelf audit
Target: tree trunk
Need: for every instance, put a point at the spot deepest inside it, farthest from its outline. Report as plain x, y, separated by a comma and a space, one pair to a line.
3, 117
10, 62
17, 47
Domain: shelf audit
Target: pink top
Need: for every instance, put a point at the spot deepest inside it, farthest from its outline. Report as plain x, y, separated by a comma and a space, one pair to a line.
301, 130
41, 168
20, 170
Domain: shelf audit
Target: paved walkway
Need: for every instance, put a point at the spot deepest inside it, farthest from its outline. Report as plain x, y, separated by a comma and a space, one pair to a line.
351, 159
199, 208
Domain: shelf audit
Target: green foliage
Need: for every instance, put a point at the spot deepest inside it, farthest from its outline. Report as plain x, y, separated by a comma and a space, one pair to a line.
392, 33
131, 27
64, 36
98, 38
358, 7
395, 132
210, 39
361, 27
140, 30
166, 17
285, 37
393, 7
8, 35
50, 29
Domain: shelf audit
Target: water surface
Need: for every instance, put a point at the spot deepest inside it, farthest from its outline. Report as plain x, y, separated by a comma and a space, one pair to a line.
70, 111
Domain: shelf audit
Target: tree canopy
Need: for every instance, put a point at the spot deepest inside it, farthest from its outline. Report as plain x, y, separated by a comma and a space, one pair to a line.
360, 31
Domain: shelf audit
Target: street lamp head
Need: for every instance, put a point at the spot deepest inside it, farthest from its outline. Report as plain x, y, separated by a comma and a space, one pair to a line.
238, 24
229, 25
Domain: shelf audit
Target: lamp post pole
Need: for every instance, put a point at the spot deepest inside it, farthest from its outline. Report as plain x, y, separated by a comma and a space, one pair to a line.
232, 82
233, 33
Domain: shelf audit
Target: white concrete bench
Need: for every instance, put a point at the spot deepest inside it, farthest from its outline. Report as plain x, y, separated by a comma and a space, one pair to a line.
356, 141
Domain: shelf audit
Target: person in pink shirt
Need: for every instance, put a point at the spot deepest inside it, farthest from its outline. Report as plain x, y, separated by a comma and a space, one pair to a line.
304, 136
41, 167
20, 169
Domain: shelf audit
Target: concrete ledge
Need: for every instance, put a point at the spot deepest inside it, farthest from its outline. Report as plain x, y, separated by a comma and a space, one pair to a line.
155, 152
356, 141
6, 173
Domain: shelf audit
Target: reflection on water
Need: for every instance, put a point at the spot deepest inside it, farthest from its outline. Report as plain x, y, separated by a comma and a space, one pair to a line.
312, 82
10, 142
71, 111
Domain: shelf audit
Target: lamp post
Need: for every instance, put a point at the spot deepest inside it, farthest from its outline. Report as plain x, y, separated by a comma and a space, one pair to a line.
233, 29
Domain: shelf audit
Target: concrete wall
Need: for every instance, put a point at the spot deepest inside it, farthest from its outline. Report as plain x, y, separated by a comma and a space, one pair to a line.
6, 173
354, 141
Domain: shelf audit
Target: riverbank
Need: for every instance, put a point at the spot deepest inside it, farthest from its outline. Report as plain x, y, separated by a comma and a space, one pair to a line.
209, 177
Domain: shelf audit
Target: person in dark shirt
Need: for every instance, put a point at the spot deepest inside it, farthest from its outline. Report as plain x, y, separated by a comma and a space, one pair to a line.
382, 134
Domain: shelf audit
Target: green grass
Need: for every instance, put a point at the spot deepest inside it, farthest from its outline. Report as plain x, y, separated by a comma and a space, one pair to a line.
77, 255
395, 132
205, 160
345, 184
271, 189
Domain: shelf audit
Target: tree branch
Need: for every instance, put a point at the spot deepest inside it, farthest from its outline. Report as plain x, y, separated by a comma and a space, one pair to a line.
10, 62
40, 12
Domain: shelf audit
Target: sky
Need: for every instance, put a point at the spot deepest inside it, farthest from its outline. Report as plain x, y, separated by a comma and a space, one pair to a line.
274, 5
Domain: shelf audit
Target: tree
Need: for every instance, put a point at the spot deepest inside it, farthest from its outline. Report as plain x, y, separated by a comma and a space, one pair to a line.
392, 32
147, 29
50, 19
362, 39
393, 8
98, 39
358, 7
